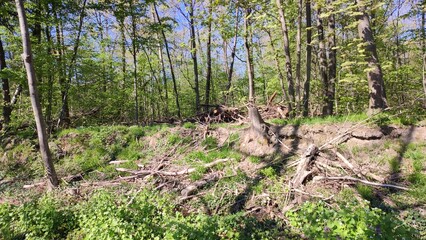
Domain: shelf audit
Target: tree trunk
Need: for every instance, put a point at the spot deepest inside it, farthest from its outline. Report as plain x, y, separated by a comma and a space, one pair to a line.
35, 101
209, 57
247, 45
194, 55
166, 45
322, 62
423, 32
306, 88
233, 52
288, 67
278, 66
332, 62
298, 54
374, 72
64, 116
135, 71
49, 83
7, 108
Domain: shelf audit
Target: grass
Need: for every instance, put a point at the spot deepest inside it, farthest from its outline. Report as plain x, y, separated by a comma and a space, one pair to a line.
320, 120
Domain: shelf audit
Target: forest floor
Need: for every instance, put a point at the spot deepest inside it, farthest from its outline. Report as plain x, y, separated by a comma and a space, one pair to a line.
218, 170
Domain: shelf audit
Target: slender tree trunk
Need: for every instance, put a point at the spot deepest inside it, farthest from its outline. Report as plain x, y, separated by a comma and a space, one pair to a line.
322, 62
35, 101
16, 94
288, 67
376, 84
278, 66
299, 53
209, 57
194, 55
135, 71
123, 51
233, 52
7, 107
166, 45
247, 45
423, 32
306, 88
49, 83
332, 62
64, 116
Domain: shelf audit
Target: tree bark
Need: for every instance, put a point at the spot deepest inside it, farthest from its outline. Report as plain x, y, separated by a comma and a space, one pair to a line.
7, 107
64, 116
249, 61
298, 54
332, 62
194, 55
278, 66
322, 62
423, 32
288, 67
209, 57
233, 53
306, 88
35, 101
135, 70
49, 82
376, 84
166, 45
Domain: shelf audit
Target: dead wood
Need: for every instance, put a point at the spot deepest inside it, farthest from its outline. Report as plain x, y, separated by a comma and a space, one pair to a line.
117, 162
352, 179
302, 169
170, 173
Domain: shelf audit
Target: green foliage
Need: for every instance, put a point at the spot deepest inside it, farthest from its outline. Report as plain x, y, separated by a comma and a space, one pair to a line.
189, 125
352, 220
106, 215
268, 172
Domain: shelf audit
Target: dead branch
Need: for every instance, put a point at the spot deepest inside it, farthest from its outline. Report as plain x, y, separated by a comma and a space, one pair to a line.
168, 173
302, 169
348, 178
117, 162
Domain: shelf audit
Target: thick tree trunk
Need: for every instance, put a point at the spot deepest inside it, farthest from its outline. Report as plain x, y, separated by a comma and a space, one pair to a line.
322, 62
332, 62
35, 101
249, 58
288, 67
194, 55
209, 57
306, 88
7, 108
166, 45
376, 84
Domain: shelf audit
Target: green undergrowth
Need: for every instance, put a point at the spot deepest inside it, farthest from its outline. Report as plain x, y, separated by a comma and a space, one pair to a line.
139, 215
399, 118
351, 220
